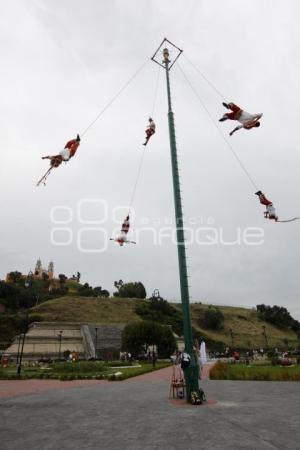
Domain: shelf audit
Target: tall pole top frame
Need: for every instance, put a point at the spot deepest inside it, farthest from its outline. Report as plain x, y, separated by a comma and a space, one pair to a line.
162, 49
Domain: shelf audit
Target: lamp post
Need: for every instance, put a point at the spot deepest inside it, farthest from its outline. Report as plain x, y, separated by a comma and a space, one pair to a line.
264, 333
155, 294
19, 346
59, 345
96, 343
153, 352
232, 337
25, 328
28, 284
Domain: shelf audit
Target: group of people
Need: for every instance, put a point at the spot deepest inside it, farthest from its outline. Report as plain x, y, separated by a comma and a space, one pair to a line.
247, 121
69, 151
71, 147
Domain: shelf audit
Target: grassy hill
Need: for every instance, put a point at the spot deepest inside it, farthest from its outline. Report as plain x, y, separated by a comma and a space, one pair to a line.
246, 327
88, 309
244, 322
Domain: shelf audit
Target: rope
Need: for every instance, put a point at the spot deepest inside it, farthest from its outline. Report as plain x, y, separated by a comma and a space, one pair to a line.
137, 178
155, 91
144, 149
289, 220
206, 79
114, 98
219, 131
44, 177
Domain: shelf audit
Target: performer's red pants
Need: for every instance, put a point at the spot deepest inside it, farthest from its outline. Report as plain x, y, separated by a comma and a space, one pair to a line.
236, 112
149, 132
264, 201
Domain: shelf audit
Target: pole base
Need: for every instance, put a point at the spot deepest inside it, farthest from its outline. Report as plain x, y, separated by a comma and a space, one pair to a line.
194, 394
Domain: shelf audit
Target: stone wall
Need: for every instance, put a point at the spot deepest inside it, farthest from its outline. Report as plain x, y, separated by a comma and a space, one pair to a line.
109, 339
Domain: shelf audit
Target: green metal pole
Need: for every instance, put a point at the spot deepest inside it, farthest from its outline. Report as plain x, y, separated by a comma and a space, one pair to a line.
191, 373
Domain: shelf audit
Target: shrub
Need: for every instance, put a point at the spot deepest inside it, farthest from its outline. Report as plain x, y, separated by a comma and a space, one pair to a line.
219, 371
78, 367
279, 316
162, 312
35, 318
213, 318
131, 290
275, 361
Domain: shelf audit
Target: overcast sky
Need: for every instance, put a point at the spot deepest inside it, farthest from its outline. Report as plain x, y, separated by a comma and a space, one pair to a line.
61, 64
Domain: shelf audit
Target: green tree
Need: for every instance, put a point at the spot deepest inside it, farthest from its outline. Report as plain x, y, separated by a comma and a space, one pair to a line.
138, 336
62, 279
97, 291
161, 311
118, 285
105, 293
85, 290
131, 290
278, 316
15, 276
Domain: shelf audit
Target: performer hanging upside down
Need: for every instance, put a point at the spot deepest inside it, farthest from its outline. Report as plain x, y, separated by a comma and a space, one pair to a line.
270, 212
66, 154
121, 239
246, 119
150, 130
125, 225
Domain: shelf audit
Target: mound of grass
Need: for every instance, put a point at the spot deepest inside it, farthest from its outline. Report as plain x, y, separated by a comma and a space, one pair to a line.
246, 327
89, 310
245, 323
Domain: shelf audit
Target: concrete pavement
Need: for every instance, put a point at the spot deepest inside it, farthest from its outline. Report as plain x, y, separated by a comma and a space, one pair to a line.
136, 414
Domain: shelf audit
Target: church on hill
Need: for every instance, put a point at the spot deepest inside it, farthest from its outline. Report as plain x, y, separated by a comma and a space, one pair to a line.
40, 272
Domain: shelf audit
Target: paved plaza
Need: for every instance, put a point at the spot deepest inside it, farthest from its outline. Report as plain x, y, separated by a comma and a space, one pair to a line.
137, 414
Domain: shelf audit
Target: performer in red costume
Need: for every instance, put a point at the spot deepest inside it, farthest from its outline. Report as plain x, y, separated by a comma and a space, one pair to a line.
246, 119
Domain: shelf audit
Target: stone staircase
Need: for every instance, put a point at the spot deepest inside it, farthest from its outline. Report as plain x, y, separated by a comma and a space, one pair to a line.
107, 340
51, 339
